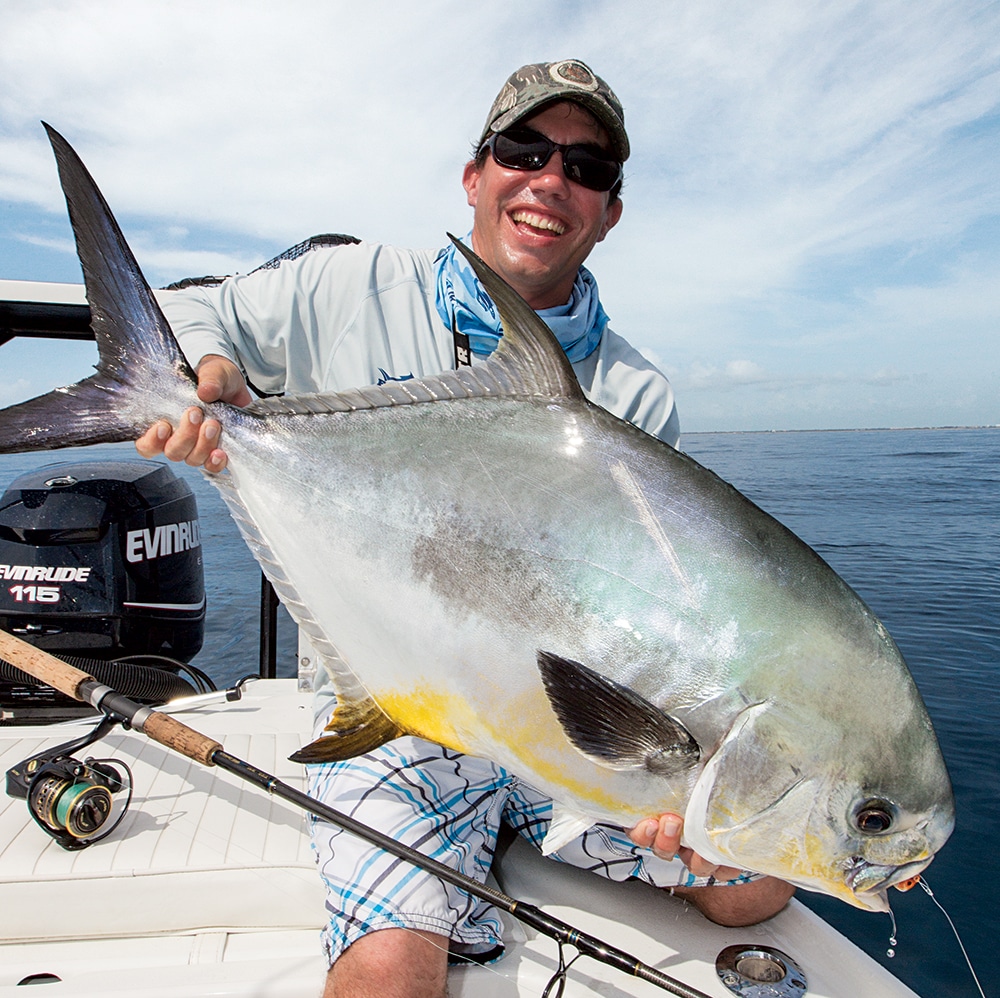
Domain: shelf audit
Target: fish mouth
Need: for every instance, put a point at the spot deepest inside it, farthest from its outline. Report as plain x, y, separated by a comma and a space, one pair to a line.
865, 878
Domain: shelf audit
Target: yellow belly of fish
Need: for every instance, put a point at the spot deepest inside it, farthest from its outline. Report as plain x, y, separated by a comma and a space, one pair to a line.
449, 719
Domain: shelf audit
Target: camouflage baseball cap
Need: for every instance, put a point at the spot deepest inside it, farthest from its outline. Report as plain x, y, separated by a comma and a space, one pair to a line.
530, 87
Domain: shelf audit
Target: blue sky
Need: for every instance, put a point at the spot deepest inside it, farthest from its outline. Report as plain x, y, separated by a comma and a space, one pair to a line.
811, 235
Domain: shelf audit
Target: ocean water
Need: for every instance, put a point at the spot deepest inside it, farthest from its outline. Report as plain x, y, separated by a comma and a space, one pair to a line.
911, 519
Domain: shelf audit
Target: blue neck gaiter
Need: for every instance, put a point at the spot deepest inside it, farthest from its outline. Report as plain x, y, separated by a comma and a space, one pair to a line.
464, 305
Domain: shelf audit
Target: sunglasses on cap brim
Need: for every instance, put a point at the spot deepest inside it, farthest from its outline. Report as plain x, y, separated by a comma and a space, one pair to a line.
585, 164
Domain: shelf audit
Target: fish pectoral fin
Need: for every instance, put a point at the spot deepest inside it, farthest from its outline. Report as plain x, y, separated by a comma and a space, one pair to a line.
611, 724
356, 727
564, 826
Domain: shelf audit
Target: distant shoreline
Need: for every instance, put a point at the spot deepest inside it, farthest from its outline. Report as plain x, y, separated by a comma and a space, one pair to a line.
848, 429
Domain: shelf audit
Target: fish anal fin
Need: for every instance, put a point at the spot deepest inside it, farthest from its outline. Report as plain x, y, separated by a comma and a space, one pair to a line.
356, 727
611, 724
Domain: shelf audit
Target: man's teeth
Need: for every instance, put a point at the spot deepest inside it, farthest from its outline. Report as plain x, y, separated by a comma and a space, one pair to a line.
539, 222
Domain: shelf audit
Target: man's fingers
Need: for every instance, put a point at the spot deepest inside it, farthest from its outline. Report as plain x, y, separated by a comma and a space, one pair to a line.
698, 865
213, 378
702, 867
644, 834
216, 461
206, 443
219, 379
195, 441
182, 441
662, 835
150, 444
668, 836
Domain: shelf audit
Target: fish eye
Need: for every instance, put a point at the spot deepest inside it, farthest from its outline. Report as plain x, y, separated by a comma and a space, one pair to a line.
874, 817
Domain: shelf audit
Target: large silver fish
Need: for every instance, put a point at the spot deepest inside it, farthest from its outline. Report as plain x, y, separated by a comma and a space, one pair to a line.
486, 559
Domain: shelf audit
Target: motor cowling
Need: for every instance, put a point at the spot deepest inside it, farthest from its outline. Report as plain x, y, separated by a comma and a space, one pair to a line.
101, 560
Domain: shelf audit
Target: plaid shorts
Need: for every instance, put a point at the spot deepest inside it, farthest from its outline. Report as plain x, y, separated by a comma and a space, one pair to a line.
448, 806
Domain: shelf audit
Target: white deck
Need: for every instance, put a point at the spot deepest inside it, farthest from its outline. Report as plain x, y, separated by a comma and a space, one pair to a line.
208, 888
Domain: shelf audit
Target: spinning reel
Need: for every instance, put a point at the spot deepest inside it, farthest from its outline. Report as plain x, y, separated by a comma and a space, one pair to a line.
77, 803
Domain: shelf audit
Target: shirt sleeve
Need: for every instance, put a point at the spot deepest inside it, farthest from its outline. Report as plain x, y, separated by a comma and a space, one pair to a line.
285, 328
618, 378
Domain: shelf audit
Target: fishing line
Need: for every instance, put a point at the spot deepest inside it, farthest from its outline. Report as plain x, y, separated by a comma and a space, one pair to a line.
529, 914
455, 959
557, 981
927, 890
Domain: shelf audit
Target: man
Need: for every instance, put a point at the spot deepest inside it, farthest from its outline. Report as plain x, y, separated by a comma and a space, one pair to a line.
544, 186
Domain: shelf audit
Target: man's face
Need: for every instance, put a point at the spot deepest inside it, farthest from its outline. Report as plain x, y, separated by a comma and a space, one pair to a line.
535, 228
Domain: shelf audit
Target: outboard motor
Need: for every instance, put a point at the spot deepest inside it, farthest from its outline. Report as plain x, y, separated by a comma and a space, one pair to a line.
100, 564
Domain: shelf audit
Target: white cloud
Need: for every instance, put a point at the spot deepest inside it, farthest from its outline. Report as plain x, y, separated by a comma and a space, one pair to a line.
43, 367
59, 245
735, 373
189, 263
967, 296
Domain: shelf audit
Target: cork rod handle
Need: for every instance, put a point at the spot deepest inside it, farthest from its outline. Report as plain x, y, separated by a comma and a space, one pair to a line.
65, 678
44, 667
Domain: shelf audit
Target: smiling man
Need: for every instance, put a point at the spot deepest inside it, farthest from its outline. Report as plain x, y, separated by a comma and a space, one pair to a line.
545, 186
537, 231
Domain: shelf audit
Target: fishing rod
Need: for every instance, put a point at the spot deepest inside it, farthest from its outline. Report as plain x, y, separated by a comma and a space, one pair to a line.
173, 734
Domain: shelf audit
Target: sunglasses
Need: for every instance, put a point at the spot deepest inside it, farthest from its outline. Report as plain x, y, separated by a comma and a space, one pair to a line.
524, 149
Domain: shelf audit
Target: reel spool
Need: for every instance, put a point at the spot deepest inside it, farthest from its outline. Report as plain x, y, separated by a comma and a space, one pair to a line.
77, 803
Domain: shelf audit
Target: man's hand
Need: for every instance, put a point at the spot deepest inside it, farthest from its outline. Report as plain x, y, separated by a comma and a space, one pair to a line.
196, 439
742, 904
663, 836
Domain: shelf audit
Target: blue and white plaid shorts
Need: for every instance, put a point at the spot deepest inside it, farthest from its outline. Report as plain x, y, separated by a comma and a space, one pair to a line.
448, 806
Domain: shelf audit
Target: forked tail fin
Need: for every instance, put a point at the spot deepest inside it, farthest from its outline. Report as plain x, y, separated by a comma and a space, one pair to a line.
141, 372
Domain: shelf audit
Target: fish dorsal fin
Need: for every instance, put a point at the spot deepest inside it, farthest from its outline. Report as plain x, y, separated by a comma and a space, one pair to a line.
611, 724
119, 297
528, 362
528, 349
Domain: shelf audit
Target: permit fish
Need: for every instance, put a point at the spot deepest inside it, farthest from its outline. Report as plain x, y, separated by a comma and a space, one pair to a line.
486, 559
